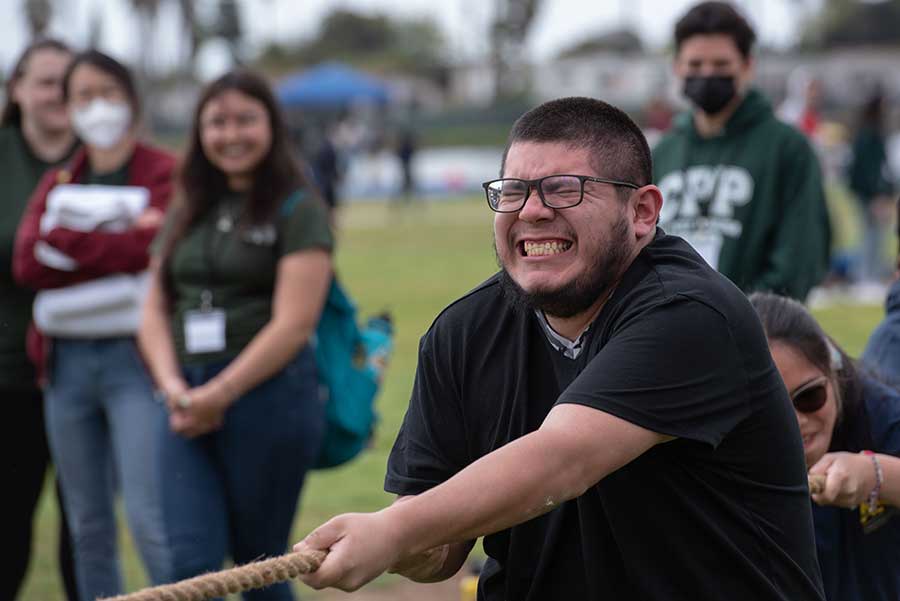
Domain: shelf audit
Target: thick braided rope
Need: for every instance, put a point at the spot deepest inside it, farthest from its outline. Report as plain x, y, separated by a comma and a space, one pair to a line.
263, 573
235, 580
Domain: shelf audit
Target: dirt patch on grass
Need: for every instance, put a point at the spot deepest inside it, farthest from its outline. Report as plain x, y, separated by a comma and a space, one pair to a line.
449, 590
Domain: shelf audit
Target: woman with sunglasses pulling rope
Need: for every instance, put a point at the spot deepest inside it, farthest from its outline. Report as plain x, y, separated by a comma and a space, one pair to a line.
850, 423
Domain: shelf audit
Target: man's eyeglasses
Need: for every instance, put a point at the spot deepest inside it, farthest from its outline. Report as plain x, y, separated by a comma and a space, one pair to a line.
811, 397
508, 195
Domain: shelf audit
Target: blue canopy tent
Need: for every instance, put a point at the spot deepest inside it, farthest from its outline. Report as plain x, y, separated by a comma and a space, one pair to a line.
331, 85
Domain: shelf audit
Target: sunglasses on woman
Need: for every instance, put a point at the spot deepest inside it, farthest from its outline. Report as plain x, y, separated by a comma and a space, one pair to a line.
811, 397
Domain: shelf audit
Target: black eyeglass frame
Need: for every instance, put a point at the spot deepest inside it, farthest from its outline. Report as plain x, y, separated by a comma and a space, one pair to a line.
537, 184
822, 382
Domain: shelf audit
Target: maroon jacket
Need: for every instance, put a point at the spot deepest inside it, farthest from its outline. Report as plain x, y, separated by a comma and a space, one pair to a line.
97, 253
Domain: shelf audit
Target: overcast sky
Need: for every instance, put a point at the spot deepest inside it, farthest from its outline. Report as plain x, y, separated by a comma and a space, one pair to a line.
559, 23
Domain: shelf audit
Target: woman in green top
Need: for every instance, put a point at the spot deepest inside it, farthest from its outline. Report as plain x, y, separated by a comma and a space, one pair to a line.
34, 136
240, 278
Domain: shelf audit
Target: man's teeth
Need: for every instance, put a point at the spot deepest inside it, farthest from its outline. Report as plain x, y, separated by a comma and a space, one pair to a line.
539, 249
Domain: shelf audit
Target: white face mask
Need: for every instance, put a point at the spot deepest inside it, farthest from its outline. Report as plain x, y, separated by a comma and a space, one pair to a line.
102, 123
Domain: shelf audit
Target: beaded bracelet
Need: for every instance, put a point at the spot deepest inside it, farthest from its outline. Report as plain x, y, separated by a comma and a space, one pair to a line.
879, 480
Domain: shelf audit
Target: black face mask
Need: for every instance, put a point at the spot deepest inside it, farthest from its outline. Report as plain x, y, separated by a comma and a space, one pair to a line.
710, 94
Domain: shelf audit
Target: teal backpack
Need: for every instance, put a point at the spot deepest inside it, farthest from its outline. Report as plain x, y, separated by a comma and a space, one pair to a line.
351, 361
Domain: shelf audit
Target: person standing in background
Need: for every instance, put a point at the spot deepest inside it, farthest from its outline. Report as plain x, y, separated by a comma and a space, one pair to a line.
801, 107
326, 165
35, 136
99, 400
743, 188
239, 279
882, 352
872, 183
406, 151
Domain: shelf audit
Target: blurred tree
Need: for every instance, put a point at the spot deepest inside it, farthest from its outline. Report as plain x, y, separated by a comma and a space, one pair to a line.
193, 33
228, 27
374, 42
623, 41
344, 31
95, 28
853, 23
146, 11
223, 20
38, 14
512, 20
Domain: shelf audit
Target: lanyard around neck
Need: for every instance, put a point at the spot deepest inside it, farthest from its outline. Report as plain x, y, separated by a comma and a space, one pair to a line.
215, 238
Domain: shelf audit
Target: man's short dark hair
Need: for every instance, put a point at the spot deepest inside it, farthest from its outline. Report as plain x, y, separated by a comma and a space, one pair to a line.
616, 144
710, 18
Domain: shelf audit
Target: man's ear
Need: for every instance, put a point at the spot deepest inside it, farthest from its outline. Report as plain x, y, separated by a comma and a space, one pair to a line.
645, 204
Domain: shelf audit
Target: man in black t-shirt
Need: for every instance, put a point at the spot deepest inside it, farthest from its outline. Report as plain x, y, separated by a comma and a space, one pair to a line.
604, 410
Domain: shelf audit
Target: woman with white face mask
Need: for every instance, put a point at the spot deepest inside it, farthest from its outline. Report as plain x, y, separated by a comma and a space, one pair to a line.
850, 424
82, 244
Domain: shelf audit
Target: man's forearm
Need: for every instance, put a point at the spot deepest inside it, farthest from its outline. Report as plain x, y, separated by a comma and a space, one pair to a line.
520, 481
513, 484
434, 565
456, 557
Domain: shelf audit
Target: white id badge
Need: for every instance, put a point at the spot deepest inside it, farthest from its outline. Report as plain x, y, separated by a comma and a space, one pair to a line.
204, 331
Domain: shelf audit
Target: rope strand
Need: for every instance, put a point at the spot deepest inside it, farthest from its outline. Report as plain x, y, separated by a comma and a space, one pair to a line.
816, 484
235, 580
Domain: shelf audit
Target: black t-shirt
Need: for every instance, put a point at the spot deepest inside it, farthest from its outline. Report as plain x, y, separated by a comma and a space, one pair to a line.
722, 512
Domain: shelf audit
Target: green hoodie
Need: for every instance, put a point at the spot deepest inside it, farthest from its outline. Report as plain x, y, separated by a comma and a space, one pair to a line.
750, 199
20, 171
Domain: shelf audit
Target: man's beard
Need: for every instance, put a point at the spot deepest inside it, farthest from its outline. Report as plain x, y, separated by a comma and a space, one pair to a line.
578, 296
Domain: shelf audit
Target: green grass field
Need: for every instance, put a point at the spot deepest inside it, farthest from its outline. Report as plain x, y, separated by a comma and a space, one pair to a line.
412, 261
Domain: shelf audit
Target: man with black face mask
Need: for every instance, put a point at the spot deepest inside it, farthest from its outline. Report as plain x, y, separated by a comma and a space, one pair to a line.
743, 188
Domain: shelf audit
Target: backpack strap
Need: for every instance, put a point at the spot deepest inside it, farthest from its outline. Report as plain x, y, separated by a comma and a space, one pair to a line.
291, 202
287, 207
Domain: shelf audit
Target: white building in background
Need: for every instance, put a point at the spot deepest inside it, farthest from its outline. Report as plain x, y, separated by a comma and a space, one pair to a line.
471, 84
626, 80
631, 80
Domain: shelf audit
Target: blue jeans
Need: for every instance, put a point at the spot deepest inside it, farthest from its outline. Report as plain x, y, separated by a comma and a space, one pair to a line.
100, 412
874, 266
234, 492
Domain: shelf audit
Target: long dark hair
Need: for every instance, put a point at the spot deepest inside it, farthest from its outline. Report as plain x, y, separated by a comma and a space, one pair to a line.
111, 67
12, 112
788, 322
203, 184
